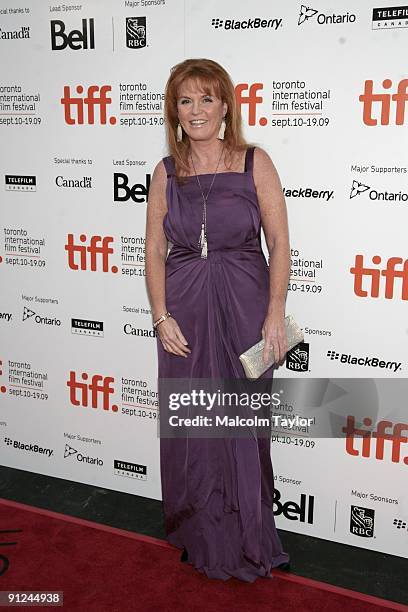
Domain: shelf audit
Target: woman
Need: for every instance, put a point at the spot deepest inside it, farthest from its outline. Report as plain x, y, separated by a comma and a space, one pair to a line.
212, 297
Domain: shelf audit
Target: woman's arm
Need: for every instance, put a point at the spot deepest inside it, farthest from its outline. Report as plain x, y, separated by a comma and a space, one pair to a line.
275, 226
156, 247
156, 241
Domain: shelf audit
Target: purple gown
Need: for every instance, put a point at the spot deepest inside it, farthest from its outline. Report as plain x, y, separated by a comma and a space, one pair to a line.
217, 493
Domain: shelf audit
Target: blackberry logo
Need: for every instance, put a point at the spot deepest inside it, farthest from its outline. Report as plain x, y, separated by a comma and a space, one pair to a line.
297, 359
371, 362
8, 441
246, 24
357, 188
217, 23
135, 32
399, 524
29, 446
362, 521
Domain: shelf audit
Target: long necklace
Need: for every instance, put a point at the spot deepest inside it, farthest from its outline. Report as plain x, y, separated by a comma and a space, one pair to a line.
202, 242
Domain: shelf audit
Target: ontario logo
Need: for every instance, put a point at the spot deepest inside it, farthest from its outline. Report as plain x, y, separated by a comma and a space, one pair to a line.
307, 13
70, 451
374, 195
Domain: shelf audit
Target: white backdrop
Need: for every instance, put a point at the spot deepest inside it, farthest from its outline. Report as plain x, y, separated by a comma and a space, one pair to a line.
78, 355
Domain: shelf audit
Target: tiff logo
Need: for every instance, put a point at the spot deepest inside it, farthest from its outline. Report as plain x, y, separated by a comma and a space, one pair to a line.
96, 96
88, 254
389, 272
385, 102
252, 99
98, 390
379, 435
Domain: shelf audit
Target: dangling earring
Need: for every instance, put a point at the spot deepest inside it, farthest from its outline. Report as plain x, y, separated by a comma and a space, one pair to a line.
222, 129
179, 133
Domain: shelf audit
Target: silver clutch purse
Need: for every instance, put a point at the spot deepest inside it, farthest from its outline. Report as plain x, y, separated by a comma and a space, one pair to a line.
252, 358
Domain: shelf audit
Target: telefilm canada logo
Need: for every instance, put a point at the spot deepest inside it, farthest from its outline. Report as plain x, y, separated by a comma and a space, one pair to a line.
87, 327
375, 195
390, 17
308, 13
136, 471
362, 521
253, 23
135, 32
20, 182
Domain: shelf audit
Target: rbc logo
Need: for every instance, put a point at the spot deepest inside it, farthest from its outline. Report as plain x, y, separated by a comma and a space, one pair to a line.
297, 359
362, 521
75, 40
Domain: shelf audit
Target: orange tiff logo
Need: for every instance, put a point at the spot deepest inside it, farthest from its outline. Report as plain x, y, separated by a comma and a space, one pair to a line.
381, 104
81, 109
373, 277
379, 436
86, 256
94, 394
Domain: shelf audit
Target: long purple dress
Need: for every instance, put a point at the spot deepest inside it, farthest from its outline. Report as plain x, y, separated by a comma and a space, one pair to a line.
217, 493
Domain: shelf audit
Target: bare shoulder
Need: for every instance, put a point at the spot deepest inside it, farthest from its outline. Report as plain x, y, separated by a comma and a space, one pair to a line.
157, 189
265, 172
160, 173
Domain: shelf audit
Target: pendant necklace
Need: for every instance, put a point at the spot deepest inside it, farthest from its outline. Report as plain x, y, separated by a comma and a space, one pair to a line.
202, 242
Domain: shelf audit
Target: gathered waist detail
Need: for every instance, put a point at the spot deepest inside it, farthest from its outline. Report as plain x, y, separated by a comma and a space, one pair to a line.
216, 255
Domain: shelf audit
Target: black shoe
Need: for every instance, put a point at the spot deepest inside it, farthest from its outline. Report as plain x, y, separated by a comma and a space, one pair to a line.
184, 556
285, 567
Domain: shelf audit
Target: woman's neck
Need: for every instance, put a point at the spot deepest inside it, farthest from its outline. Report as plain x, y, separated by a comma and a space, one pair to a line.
206, 155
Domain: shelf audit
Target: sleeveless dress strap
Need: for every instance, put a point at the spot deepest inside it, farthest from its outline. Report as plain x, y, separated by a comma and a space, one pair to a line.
249, 159
169, 165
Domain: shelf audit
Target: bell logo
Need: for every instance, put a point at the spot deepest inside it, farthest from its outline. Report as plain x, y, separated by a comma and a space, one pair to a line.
80, 110
385, 101
252, 100
395, 437
390, 273
97, 391
293, 511
87, 258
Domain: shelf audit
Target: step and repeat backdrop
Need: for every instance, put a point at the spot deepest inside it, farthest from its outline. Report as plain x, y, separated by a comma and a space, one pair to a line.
323, 89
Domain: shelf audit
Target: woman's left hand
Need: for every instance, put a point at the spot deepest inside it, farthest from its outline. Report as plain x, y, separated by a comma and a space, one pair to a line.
274, 334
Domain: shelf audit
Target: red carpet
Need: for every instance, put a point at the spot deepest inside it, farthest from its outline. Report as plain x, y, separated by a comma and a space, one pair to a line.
104, 569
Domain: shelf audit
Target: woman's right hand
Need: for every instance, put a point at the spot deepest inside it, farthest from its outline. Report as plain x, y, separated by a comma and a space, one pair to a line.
171, 337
